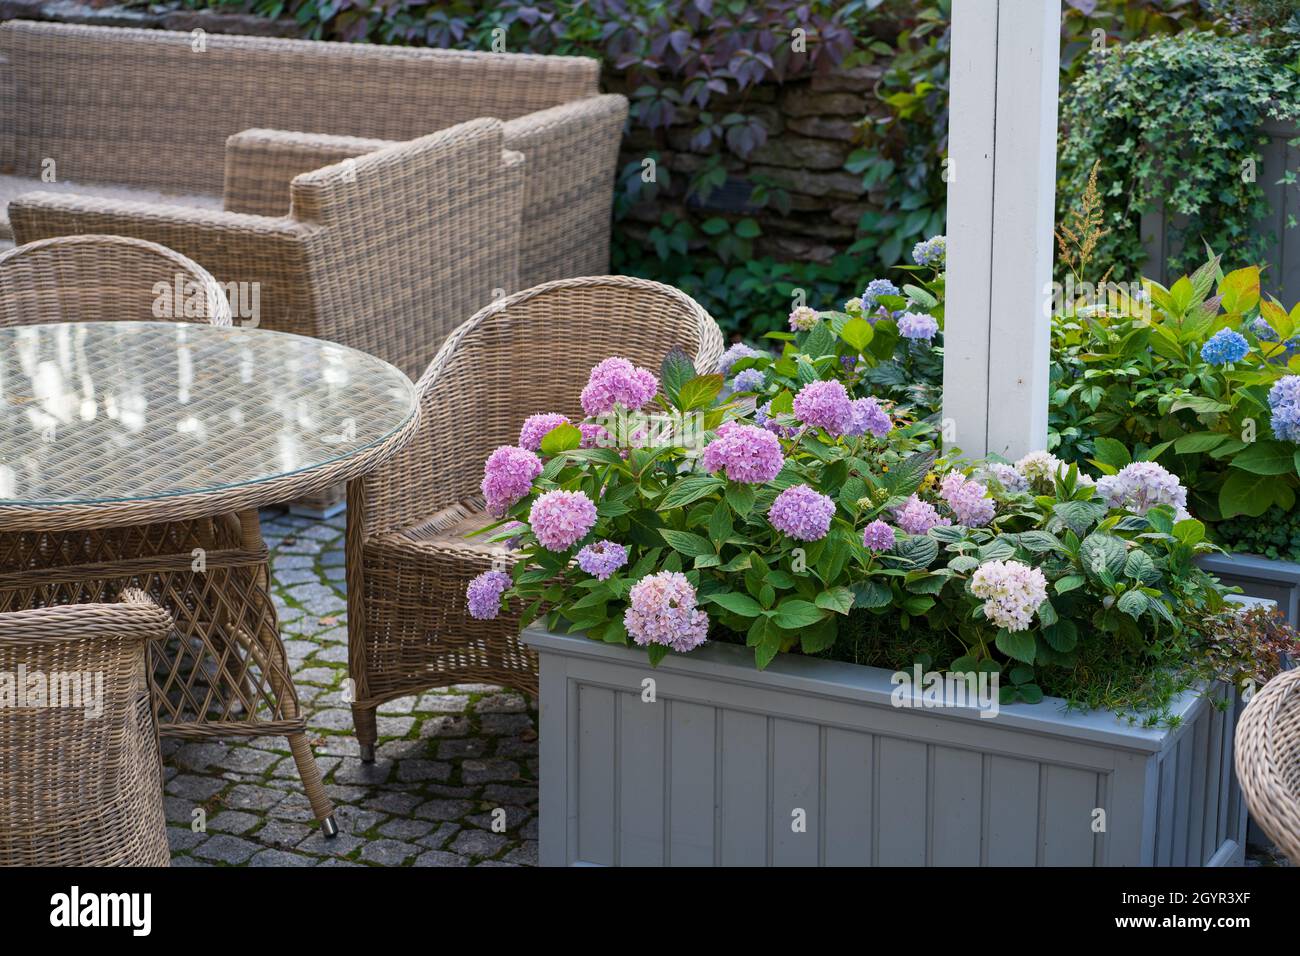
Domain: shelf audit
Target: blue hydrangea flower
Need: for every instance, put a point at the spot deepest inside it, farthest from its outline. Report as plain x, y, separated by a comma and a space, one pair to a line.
747, 380
1225, 346
875, 289
931, 252
1263, 331
1284, 400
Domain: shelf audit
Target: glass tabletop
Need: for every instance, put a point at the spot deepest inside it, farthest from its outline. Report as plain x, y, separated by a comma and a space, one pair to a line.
132, 411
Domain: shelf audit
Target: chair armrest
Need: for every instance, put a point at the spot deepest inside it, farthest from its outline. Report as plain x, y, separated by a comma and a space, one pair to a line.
567, 211
261, 260
261, 163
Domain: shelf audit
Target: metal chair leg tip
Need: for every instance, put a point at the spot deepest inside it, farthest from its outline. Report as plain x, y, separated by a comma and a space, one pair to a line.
330, 827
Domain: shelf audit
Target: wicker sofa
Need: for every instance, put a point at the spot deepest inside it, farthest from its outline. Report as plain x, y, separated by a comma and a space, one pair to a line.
376, 195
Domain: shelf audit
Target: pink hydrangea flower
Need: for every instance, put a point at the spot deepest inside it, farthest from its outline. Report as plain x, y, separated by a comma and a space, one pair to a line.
595, 436
508, 477
535, 428
561, 519
878, 536
1012, 592
918, 517
483, 595
661, 610
616, 381
802, 319
744, 453
802, 513
824, 405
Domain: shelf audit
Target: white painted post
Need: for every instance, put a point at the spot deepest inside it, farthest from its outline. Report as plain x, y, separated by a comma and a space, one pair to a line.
1001, 196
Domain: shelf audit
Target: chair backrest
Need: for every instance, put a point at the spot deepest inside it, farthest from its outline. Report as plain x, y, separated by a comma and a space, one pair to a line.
528, 353
1267, 758
153, 108
105, 279
80, 771
415, 237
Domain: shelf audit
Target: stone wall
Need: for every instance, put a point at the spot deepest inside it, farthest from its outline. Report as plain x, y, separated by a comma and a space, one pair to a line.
812, 126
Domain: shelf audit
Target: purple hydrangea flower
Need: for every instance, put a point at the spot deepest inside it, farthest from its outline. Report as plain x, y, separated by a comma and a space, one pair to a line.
616, 381
561, 519
484, 594
602, 559
918, 325
1284, 400
802, 513
875, 289
747, 380
878, 536
508, 476
918, 517
661, 610
824, 405
1012, 592
1225, 346
744, 453
535, 428
1141, 486
968, 499
734, 354
868, 416
931, 252
802, 319
595, 436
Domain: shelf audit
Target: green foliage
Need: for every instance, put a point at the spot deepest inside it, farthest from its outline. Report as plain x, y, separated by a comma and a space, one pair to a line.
1128, 375
1174, 120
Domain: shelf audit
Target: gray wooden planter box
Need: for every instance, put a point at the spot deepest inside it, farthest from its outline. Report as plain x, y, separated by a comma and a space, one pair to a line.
716, 770
1258, 577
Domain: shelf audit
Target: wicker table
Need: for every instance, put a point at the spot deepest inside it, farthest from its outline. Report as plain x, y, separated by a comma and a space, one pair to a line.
135, 454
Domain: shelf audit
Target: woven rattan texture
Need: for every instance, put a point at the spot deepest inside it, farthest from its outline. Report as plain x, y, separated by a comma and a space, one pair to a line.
498, 170
82, 789
1268, 760
105, 279
407, 560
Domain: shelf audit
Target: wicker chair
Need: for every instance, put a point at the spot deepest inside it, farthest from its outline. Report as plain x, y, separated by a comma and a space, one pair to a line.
1268, 760
105, 279
408, 561
80, 788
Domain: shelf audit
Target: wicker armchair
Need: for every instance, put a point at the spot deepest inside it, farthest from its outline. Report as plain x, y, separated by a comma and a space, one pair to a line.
408, 561
82, 788
105, 279
1268, 760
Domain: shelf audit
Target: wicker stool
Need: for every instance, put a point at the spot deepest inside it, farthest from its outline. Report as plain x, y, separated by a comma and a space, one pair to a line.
81, 788
408, 560
1268, 760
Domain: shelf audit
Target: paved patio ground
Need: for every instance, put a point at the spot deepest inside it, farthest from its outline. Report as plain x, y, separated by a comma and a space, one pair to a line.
445, 762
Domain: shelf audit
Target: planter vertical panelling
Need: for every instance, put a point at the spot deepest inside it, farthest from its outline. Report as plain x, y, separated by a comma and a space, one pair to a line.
1258, 577
726, 762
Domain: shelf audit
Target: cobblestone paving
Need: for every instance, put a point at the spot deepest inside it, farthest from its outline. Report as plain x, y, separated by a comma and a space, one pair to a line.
450, 763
